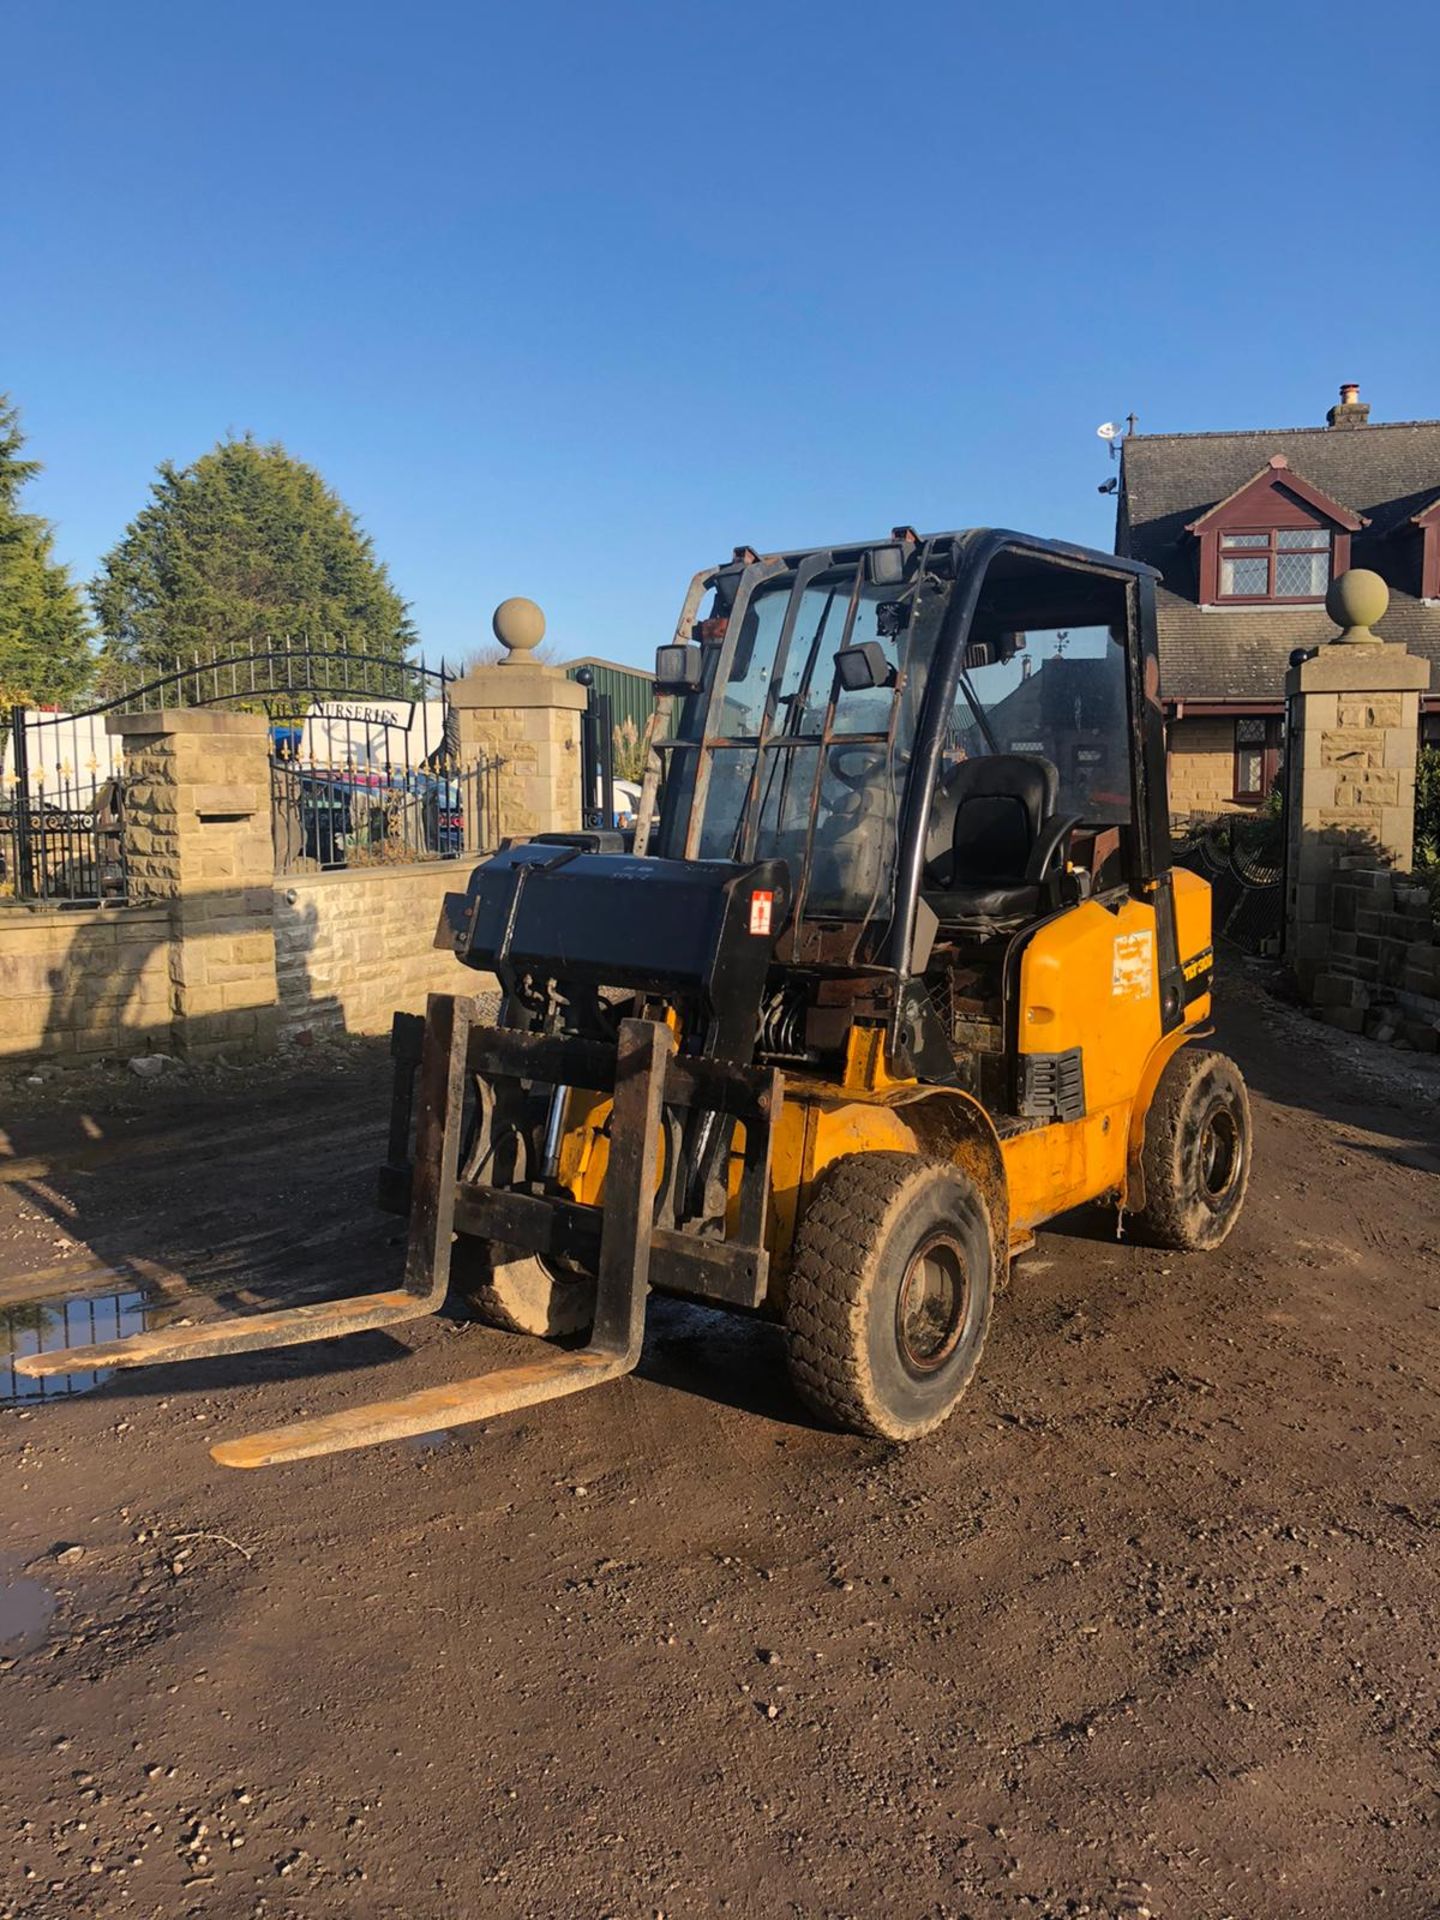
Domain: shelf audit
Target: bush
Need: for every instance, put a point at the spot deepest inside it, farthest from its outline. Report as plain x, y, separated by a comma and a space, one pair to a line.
1427, 808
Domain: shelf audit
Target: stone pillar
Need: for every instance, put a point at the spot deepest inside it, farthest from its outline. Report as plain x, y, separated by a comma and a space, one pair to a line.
198, 838
1353, 725
527, 716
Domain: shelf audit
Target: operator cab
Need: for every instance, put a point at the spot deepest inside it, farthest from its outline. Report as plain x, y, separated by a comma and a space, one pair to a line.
947, 739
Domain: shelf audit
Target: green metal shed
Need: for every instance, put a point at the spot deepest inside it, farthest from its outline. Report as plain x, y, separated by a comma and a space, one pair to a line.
631, 689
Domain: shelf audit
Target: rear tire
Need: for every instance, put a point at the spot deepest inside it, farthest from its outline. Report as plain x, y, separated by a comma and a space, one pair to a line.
1196, 1157
890, 1294
519, 1293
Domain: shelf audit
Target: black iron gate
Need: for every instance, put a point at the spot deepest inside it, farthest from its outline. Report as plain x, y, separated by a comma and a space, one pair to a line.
365, 769
61, 834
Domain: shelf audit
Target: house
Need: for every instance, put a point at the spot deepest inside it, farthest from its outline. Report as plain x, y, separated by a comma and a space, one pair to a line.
1248, 529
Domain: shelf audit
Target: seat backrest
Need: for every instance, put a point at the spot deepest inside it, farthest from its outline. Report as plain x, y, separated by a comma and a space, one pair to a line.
1000, 801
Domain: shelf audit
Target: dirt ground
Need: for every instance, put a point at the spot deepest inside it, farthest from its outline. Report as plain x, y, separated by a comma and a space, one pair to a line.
1149, 1628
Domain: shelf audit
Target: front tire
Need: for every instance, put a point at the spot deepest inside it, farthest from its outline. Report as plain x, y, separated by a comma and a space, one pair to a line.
519, 1293
890, 1294
1196, 1157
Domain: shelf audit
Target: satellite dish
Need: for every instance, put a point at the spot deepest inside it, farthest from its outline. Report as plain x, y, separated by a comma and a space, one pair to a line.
1109, 431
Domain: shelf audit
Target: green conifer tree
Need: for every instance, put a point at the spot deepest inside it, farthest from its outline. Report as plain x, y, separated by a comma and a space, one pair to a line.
45, 657
245, 548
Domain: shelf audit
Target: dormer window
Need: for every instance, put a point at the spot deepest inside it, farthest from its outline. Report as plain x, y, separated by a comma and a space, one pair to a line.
1283, 563
1276, 541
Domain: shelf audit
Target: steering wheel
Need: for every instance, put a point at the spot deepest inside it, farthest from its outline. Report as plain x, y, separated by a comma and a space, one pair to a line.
856, 779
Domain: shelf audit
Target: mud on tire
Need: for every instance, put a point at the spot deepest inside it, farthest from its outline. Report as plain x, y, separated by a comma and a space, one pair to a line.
890, 1294
1196, 1156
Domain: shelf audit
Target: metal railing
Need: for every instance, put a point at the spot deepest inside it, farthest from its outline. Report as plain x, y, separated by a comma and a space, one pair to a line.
327, 816
62, 840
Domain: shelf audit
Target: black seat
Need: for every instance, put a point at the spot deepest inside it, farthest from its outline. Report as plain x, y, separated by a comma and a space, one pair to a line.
992, 820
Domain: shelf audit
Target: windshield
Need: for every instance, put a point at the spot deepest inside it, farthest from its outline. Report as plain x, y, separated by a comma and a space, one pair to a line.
799, 761
777, 757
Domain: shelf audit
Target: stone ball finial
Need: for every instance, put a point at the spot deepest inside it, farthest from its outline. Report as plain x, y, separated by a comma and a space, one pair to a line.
1356, 600
519, 626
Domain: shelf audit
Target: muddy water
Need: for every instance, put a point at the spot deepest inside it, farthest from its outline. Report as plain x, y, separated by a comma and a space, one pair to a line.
109, 1313
26, 1608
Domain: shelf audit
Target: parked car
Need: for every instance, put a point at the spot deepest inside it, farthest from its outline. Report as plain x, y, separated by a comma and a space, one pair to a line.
329, 815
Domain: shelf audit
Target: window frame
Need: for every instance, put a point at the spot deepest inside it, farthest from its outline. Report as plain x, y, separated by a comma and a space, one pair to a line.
1323, 540
1271, 747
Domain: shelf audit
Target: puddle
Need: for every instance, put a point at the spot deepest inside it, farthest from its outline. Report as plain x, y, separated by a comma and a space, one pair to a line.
429, 1442
25, 1611
78, 1320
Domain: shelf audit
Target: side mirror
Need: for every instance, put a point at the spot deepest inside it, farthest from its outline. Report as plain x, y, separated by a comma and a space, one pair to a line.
863, 667
988, 653
679, 669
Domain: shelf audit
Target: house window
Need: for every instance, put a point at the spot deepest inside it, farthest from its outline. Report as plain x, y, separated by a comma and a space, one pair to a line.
1284, 563
1257, 757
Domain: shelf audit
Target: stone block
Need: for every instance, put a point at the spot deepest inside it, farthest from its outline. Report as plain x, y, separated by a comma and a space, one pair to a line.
1423, 1035
1373, 880
1402, 748
1343, 903
1352, 747
1369, 710
1356, 670
1367, 787
1347, 1019
1339, 990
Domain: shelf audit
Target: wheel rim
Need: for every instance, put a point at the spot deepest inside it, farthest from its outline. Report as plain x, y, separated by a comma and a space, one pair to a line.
1219, 1154
933, 1304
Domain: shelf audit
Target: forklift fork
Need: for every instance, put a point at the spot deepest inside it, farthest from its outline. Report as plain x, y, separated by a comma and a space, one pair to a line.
623, 1273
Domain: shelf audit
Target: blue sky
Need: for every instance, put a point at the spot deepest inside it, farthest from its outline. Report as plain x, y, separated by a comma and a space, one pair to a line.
567, 300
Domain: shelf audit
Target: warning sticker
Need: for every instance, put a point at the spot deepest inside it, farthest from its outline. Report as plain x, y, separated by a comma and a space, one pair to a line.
1134, 968
762, 909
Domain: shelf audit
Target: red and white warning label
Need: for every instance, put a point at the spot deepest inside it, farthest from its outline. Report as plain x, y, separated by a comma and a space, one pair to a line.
762, 910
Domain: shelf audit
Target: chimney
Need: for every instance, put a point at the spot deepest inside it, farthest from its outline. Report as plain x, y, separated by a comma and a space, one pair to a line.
1352, 410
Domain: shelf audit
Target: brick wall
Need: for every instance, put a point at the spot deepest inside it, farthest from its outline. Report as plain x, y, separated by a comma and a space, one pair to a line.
81, 986
353, 948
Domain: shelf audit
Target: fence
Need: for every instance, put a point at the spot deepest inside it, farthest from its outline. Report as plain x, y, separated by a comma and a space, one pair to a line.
1241, 857
364, 770
61, 828
327, 815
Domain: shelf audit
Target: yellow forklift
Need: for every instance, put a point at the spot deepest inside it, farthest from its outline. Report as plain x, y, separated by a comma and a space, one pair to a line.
893, 969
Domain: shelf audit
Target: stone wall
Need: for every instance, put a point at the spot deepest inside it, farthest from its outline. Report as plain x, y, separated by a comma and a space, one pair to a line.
351, 949
529, 718
347, 950
1201, 765
1381, 974
76, 987
197, 837
215, 957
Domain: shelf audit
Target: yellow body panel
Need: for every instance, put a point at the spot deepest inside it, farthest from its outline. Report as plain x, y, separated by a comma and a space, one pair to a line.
1088, 979
1193, 935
